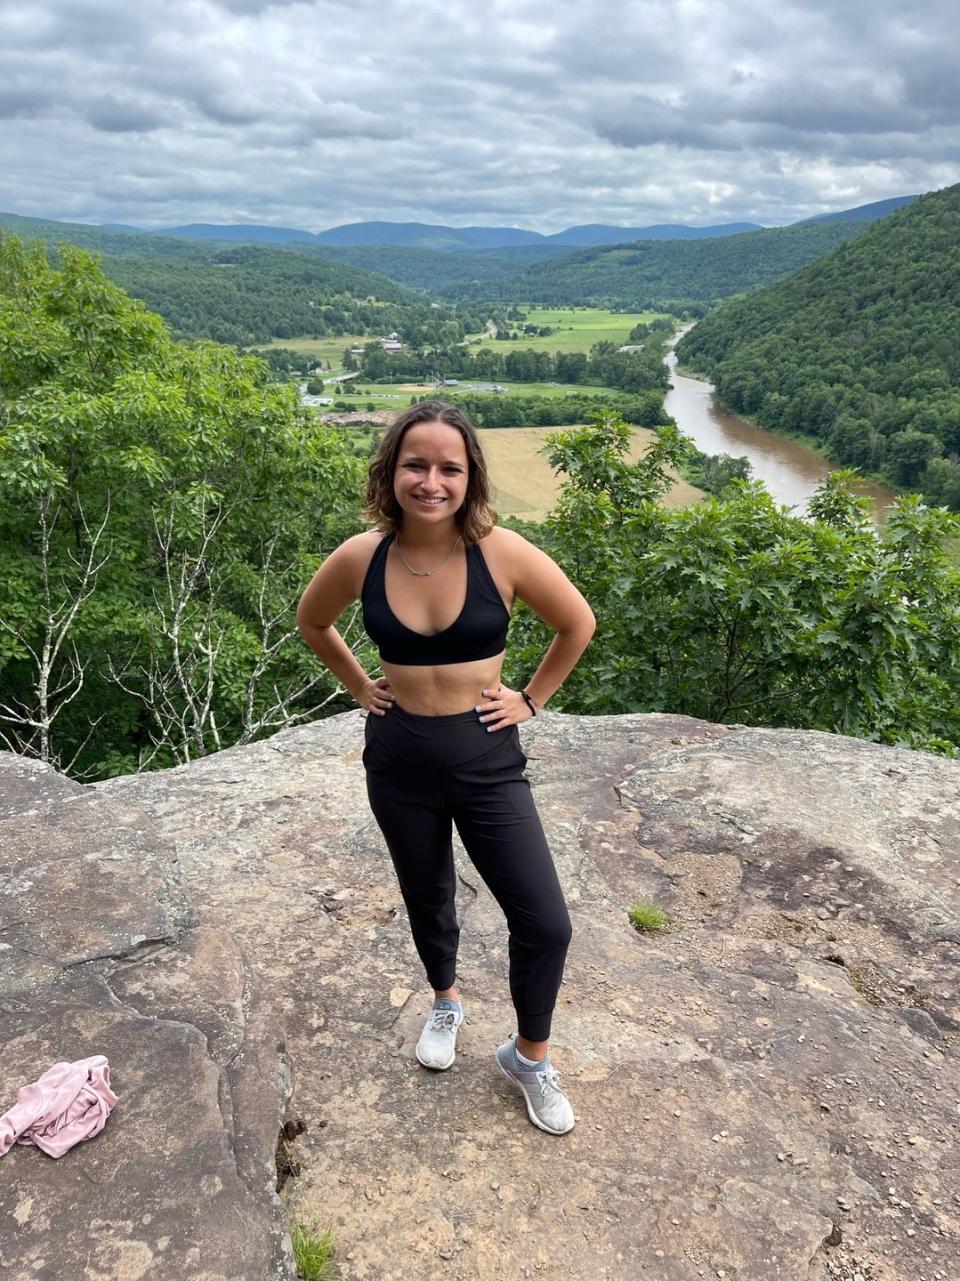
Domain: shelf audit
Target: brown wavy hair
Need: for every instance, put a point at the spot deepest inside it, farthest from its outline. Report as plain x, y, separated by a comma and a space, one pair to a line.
476, 516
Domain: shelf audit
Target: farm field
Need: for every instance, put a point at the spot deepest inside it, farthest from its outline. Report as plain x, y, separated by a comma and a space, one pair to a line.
327, 349
578, 328
524, 484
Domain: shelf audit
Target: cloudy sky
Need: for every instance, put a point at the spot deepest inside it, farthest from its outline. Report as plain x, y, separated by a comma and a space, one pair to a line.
311, 113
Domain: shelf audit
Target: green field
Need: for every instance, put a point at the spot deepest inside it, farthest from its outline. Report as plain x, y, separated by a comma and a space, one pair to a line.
395, 396
577, 328
330, 349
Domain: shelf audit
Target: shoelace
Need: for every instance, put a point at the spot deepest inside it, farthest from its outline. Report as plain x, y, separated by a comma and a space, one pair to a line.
442, 1019
549, 1079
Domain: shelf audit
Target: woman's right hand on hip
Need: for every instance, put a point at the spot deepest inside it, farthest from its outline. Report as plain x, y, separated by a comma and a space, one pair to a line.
376, 696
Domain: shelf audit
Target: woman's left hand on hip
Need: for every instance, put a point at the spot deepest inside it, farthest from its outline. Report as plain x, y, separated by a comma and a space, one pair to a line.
503, 707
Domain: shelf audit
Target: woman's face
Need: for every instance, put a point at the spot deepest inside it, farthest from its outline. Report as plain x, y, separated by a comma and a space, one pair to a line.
432, 472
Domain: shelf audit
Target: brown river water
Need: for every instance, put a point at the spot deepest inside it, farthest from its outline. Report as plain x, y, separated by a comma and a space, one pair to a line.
790, 471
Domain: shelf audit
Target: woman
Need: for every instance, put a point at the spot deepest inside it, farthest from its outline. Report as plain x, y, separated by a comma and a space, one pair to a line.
442, 744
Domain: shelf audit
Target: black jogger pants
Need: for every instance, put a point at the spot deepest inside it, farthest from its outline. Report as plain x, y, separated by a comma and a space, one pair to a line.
426, 773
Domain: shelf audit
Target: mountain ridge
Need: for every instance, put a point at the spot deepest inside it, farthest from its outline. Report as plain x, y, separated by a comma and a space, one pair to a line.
422, 235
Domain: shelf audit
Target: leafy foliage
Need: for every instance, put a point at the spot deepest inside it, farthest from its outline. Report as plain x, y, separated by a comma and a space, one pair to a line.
160, 509
734, 610
713, 473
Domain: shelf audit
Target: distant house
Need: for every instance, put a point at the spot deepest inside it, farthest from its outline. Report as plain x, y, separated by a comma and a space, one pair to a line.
451, 382
357, 351
391, 344
631, 347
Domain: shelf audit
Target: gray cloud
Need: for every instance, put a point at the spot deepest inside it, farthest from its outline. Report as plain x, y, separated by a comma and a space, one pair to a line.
112, 115
22, 101
317, 112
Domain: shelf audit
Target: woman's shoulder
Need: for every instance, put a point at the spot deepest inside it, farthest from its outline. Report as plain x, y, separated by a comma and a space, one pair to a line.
358, 551
506, 552
503, 541
361, 546
500, 536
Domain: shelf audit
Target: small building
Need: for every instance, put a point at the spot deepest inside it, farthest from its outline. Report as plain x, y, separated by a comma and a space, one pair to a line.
451, 382
391, 344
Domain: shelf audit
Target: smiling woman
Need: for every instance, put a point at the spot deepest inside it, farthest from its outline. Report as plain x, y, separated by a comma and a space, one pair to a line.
438, 579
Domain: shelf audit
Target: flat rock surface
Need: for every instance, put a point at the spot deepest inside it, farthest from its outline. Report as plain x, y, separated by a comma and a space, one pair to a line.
770, 1089
177, 1184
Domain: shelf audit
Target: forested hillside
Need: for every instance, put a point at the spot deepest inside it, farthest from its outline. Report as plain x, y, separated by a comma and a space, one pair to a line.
245, 294
860, 349
434, 271
664, 274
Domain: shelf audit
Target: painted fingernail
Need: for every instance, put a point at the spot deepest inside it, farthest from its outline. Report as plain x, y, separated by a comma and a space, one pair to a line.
477, 708
481, 719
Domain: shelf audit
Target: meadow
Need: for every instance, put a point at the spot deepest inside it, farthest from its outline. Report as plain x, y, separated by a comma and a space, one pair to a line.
577, 328
327, 349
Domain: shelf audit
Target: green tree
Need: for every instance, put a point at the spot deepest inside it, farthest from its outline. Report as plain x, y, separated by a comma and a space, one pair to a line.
161, 507
733, 610
909, 452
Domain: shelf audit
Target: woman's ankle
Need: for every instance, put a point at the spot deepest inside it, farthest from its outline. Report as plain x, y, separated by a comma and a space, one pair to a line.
536, 1051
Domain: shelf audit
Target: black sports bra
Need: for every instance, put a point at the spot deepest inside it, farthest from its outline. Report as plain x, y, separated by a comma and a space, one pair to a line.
480, 631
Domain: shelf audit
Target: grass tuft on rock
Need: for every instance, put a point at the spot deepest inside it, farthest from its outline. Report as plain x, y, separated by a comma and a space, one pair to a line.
312, 1253
647, 918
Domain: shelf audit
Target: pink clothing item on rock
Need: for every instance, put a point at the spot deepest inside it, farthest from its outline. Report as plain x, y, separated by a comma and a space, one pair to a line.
70, 1102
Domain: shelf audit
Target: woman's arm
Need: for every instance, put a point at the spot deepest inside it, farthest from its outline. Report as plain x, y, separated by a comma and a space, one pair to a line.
540, 583
332, 588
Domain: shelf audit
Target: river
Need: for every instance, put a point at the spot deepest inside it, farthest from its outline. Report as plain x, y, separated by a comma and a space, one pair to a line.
790, 471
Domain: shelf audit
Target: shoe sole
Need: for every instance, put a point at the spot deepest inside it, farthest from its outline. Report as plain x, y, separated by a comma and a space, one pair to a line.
437, 1067
526, 1098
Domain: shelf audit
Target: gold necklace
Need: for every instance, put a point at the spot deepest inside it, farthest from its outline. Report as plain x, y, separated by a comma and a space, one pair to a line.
424, 573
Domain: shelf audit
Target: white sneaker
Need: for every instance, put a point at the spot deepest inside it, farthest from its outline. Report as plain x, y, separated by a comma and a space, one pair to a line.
547, 1106
437, 1047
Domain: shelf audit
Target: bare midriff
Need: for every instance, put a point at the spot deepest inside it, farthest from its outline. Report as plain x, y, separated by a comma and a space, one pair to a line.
445, 689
